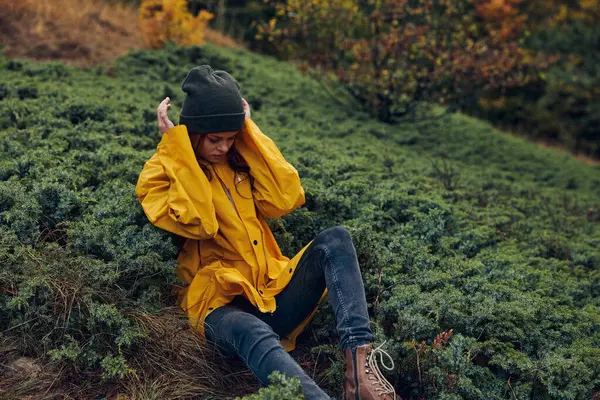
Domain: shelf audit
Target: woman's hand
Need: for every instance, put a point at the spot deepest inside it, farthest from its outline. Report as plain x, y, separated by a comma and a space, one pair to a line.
246, 108
164, 123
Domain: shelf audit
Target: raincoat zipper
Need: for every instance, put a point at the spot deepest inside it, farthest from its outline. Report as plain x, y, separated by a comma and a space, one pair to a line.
228, 193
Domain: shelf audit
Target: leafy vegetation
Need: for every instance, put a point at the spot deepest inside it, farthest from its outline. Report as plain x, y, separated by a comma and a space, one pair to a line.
457, 227
281, 388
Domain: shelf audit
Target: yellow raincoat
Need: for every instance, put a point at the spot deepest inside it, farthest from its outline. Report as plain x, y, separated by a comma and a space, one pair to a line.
230, 249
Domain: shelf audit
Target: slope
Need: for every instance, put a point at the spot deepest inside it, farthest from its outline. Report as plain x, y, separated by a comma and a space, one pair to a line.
456, 226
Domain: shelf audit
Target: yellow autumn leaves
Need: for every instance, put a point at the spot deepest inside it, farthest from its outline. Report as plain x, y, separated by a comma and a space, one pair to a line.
169, 20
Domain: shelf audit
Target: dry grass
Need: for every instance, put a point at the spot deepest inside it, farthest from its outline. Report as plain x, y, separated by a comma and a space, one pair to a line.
221, 40
171, 363
22, 377
77, 32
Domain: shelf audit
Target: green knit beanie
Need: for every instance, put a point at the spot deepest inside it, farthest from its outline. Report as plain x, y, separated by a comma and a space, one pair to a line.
213, 102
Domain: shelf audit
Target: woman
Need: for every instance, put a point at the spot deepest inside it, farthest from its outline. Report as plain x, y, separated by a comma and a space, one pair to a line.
213, 180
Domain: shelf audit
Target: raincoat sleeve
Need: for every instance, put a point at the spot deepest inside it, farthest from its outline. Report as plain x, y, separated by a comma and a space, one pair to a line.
174, 191
276, 182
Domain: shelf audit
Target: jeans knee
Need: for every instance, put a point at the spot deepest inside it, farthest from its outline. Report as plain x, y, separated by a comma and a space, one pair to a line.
236, 332
250, 334
336, 236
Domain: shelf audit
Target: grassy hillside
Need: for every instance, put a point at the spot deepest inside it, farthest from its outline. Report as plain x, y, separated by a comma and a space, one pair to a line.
456, 226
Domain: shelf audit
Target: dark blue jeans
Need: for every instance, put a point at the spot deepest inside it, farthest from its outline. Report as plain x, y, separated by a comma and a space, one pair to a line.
239, 329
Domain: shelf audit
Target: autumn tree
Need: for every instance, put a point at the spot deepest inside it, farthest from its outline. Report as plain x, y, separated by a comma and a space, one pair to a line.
165, 20
394, 53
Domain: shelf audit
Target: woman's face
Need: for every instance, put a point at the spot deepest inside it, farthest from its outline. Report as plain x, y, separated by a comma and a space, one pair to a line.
213, 147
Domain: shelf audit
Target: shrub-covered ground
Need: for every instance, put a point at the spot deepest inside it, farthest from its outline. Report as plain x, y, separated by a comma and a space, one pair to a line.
457, 227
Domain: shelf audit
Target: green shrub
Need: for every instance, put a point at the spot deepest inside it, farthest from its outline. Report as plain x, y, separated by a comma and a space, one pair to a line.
280, 388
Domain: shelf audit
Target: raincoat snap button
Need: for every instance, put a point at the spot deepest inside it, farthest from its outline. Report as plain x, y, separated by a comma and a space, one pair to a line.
210, 308
255, 242
290, 270
260, 291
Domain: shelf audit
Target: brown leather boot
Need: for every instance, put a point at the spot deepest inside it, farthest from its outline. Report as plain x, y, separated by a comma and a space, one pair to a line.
364, 380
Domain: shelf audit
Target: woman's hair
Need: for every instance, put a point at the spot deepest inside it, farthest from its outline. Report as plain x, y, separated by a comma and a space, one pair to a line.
237, 164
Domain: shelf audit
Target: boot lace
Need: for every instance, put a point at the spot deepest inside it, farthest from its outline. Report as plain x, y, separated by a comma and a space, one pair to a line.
377, 377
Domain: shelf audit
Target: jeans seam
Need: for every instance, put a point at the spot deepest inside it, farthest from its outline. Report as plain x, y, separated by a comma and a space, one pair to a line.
337, 289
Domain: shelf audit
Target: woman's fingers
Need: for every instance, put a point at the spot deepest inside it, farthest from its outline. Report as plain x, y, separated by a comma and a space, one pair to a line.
164, 104
163, 119
246, 107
